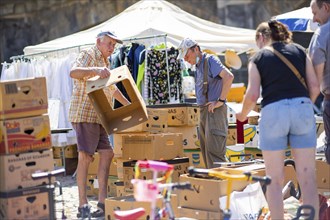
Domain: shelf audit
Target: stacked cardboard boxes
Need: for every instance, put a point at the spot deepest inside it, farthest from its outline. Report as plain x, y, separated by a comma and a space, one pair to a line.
25, 148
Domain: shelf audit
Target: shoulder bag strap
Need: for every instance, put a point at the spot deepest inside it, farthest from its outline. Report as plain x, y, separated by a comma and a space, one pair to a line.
206, 71
288, 63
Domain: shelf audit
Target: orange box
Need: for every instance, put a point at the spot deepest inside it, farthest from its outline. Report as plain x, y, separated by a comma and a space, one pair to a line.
25, 134
23, 97
119, 119
236, 92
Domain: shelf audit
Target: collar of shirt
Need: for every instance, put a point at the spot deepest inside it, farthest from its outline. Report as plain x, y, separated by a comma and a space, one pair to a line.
99, 56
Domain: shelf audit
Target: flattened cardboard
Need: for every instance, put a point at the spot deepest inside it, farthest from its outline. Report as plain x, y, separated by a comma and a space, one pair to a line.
119, 119
23, 97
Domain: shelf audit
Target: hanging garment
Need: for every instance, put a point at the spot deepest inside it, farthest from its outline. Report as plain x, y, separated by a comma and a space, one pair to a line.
159, 92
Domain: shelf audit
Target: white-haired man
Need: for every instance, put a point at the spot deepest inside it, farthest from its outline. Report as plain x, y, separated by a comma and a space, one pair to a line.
91, 136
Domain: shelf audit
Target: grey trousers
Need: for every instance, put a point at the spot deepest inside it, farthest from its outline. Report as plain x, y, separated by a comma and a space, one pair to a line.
326, 122
213, 131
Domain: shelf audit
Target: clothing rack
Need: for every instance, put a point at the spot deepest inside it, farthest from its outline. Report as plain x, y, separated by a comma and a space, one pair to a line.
47, 53
146, 53
77, 49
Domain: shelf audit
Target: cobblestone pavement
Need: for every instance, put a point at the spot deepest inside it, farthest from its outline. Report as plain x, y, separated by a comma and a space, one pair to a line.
67, 203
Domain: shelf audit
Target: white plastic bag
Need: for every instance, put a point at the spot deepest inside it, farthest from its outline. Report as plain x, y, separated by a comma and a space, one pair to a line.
245, 204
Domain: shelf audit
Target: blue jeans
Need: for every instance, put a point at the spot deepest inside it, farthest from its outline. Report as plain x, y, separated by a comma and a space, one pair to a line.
287, 122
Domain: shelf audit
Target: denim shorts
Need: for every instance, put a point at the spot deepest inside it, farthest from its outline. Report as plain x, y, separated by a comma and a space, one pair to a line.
91, 137
288, 122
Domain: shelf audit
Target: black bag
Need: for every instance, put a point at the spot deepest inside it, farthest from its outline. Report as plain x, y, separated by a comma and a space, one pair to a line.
327, 154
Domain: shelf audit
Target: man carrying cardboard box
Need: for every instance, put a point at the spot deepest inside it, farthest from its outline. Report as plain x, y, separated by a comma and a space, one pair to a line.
91, 136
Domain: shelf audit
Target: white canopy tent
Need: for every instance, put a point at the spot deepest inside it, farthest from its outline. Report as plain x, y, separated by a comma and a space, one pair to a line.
145, 19
154, 17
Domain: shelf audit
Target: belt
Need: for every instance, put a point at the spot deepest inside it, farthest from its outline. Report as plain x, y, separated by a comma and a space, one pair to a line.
326, 97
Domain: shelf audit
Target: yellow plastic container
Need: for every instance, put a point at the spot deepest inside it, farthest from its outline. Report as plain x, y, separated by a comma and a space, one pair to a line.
236, 92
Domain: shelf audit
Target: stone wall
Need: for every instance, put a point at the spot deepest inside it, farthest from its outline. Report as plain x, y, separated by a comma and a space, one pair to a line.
30, 22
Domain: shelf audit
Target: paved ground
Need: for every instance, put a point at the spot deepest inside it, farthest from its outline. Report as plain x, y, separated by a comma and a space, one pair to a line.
67, 203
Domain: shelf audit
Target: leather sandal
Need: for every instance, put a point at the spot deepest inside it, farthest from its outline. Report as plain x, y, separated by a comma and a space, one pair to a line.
100, 211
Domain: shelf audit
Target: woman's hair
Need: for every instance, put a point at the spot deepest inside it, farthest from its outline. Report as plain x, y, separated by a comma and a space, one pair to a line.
275, 30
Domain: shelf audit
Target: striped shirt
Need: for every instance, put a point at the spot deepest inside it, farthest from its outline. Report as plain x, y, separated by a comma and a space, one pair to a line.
81, 109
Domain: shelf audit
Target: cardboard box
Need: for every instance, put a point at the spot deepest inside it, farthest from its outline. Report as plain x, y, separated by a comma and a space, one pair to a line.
28, 203
195, 157
120, 167
259, 170
206, 192
232, 135
119, 119
16, 169
184, 212
251, 136
163, 146
231, 115
93, 186
58, 162
118, 142
128, 203
256, 153
93, 167
257, 108
233, 150
156, 123
324, 192
119, 189
23, 98
189, 135
253, 120
25, 134
323, 175
180, 167
70, 151
182, 114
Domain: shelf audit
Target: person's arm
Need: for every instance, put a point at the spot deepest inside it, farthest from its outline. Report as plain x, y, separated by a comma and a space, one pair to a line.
313, 78
227, 80
88, 72
252, 92
118, 95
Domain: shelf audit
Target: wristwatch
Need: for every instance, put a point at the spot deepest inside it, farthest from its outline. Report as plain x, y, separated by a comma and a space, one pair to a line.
222, 100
